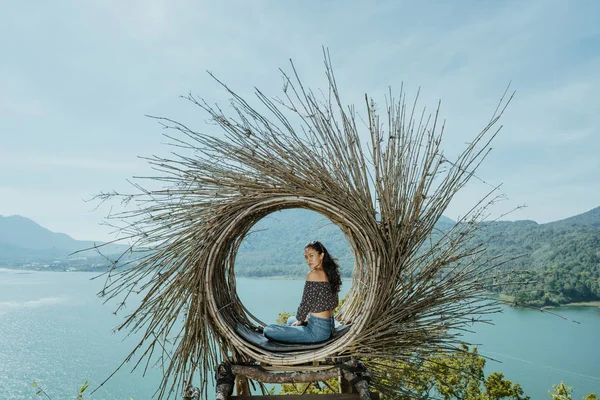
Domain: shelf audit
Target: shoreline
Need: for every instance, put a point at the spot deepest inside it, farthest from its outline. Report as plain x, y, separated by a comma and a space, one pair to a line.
580, 304
594, 303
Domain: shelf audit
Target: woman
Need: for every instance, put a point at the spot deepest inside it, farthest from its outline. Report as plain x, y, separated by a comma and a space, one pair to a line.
313, 322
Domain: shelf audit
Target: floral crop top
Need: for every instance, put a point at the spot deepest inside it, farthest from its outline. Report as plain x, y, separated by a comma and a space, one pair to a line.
317, 297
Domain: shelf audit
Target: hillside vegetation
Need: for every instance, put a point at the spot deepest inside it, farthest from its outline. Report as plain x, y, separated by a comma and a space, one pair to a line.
560, 260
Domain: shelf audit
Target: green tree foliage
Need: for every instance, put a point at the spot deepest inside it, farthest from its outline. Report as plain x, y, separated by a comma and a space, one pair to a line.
451, 375
448, 375
562, 261
496, 387
459, 375
329, 387
563, 392
283, 317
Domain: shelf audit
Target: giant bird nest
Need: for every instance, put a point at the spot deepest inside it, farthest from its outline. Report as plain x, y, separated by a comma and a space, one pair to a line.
384, 182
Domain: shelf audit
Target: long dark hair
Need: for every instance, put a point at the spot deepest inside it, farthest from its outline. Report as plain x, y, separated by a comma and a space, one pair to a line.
330, 266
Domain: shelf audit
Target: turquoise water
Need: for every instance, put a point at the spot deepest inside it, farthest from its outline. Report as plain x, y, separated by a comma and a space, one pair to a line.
55, 331
539, 350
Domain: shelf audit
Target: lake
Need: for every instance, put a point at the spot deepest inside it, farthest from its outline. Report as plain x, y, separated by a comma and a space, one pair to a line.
55, 331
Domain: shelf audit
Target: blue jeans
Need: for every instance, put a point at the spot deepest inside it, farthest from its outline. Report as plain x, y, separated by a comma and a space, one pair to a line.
317, 330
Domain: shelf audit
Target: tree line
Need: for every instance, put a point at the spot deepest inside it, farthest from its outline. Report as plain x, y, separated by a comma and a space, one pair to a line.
560, 262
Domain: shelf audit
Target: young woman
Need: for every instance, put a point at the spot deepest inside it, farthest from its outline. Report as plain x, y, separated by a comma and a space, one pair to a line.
313, 322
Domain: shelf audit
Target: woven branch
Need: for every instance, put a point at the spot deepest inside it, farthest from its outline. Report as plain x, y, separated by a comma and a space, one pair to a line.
413, 289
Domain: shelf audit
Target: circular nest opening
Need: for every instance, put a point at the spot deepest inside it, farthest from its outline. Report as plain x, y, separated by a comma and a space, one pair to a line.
226, 309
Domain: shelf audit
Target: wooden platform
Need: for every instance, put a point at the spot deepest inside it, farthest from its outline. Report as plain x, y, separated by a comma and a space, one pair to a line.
352, 376
336, 396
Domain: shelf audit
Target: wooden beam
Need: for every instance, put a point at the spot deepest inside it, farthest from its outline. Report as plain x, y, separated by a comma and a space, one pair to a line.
288, 368
259, 374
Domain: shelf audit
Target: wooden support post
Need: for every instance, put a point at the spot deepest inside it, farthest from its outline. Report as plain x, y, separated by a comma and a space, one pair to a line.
225, 381
344, 384
242, 388
358, 377
191, 393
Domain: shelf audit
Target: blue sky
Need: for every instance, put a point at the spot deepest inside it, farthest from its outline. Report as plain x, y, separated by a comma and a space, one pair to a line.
77, 78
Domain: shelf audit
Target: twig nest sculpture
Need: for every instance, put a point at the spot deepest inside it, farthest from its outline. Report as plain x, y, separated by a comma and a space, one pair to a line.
413, 288
225, 309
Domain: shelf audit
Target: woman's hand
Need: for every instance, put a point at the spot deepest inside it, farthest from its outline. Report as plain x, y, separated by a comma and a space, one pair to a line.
296, 323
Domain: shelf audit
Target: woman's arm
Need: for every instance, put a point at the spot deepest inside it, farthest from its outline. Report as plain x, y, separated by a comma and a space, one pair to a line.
302, 313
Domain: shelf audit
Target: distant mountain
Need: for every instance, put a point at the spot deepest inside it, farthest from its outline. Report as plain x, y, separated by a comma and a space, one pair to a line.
591, 218
23, 232
444, 223
275, 245
22, 240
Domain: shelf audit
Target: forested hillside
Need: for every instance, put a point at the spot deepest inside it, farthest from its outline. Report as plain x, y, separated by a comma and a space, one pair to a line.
275, 245
562, 258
